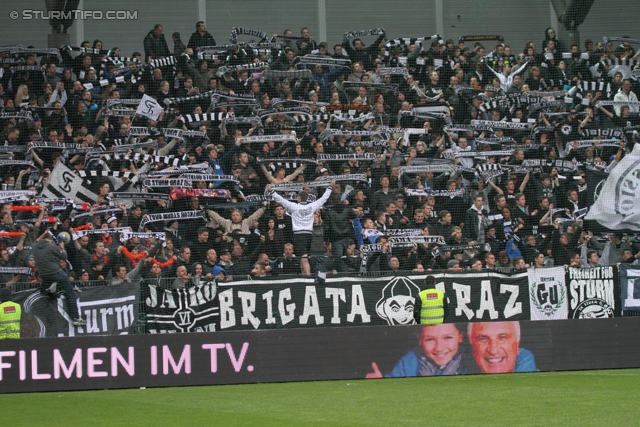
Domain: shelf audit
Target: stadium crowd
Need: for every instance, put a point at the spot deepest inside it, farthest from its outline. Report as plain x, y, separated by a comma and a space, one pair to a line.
469, 155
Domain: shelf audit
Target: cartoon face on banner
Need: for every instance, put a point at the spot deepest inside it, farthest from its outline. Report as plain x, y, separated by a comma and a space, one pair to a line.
396, 304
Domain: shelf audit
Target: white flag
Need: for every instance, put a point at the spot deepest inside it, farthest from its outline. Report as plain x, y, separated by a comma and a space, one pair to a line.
149, 107
618, 206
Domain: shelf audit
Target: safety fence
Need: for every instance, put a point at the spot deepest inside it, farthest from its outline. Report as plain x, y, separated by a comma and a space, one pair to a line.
152, 306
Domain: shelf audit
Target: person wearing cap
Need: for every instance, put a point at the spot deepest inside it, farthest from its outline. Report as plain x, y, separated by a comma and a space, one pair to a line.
47, 255
225, 263
453, 265
219, 273
83, 276
10, 314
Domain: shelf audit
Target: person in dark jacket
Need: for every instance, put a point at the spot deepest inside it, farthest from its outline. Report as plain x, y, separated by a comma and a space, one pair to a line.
201, 37
178, 45
360, 53
341, 232
155, 45
48, 255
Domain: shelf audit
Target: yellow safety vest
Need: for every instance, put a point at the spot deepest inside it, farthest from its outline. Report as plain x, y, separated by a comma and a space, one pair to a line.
10, 313
432, 311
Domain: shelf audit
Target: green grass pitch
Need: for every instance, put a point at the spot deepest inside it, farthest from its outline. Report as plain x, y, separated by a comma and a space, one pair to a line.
586, 398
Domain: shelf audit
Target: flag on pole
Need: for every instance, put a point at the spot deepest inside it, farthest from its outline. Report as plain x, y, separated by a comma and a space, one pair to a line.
618, 205
149, 107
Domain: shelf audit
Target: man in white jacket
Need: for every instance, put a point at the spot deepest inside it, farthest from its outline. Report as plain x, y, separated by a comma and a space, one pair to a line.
302, 222
625, 95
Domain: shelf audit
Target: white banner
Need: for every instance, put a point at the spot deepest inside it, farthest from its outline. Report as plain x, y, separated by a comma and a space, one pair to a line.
548, 294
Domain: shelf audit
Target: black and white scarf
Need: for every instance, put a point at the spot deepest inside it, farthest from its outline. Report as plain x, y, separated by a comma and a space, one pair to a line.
494, 141
346, 117
278, 101
137, 157
406, 41
427, 240
131, 147
344, 157
127, 235
442, 167
16, 195
233, 38
474, 38
206, 117
297, 74
168, 182
23, 114
588, 143
81, 233
618, 103
502, 124
103, 211
142, 196
27, 271
292, 110
17, 163
609, 133
361, 33
267, 138
209, 177
166, 216
288, 186
394, 71
181, 99
36, 51
349, 177
324, 60
369, 232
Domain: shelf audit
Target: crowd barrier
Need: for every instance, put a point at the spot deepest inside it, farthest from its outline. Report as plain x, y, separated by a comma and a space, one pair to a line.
160, 360
281, 303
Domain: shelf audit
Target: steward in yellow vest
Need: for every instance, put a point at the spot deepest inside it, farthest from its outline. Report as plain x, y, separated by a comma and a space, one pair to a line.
429, 308
10, 314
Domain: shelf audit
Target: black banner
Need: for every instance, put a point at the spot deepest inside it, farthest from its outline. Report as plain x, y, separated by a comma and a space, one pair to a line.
630, 287
164, 360
485, 296
192, 309
385, 300
593, 292
108, 310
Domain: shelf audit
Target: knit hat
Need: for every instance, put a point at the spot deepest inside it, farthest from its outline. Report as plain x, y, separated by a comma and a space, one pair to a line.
217, 270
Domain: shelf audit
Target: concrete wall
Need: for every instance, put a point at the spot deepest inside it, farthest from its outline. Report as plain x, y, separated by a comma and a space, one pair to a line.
518, 21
